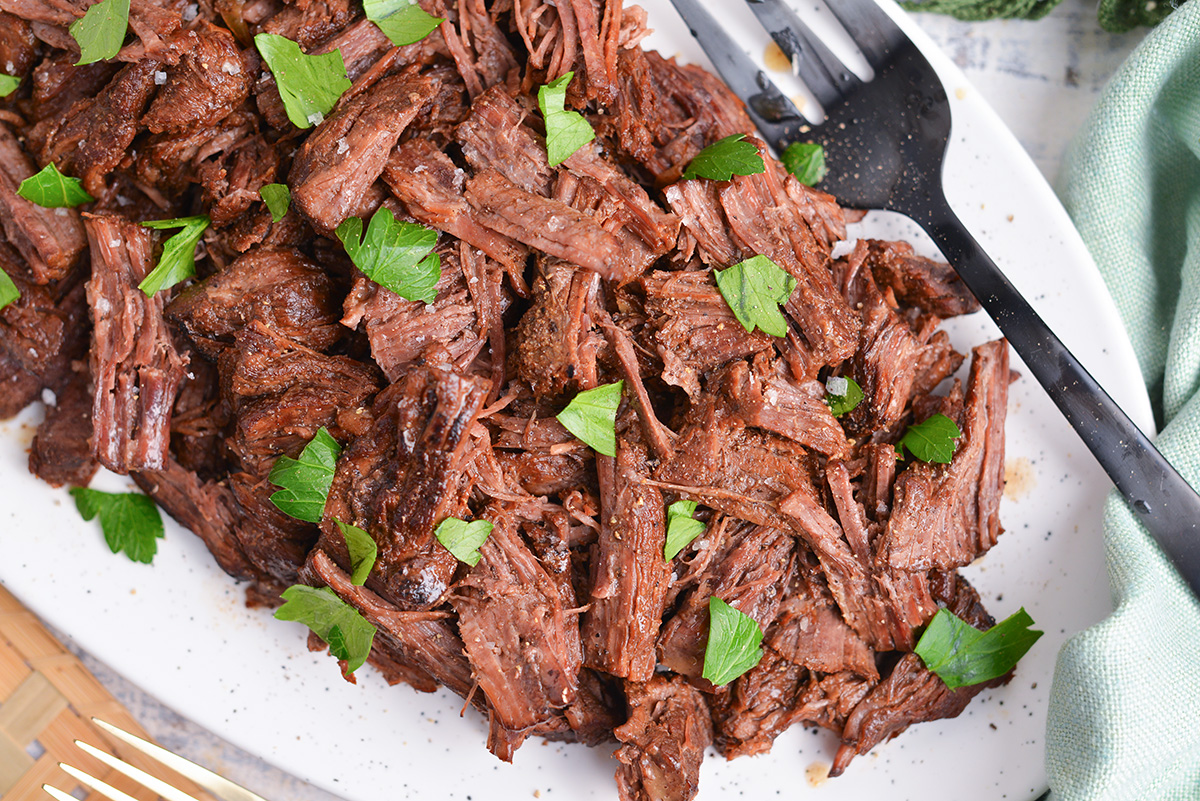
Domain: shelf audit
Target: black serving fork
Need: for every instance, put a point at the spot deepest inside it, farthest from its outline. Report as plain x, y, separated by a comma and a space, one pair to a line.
885, 144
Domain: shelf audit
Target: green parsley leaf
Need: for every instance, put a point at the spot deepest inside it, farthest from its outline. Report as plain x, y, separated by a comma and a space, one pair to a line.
8, 84
932, 440
402, 21
566, 131
363, 552
681, 528
309, 85
733, 643
178, 260
806, 161
348, 633
396, 255
847, 399
963, 655
277, 197
304, 483
462, 538
754, 290
101, 31
130, 521
592, 416
8, 290
726, 158
51, 189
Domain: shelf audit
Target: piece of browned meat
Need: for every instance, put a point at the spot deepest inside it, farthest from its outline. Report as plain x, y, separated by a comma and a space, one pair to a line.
520, 637
136, 367
556, 340
61, 451
630, 576
664, 741
931, 286
344, 155
50, 240
945, 516
404, 476
280, 288
211, 79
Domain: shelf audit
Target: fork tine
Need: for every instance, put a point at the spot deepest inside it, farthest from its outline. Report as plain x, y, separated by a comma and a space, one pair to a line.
870, 28
822, 72
57, 794
775, 115
143, 778
217, 785
106, 790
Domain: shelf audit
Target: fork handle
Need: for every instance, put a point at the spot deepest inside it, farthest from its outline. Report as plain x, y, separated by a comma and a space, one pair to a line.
1165, 503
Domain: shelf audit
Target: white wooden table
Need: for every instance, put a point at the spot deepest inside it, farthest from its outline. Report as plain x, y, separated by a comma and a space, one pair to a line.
1041, 77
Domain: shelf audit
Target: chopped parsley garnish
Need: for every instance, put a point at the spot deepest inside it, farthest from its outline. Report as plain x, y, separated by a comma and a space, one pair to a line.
304, 482
101, 31
682, 528
592, 416
8, 84
130, 521
309, 85
931, 441
363, 552
754, 290
843, 395
8, 290
395, 255
51, 189
734, 641
566, 131
963, 655
402, 21
348, 633
805, 161
277, 197
178, 260
726, 158
462, 538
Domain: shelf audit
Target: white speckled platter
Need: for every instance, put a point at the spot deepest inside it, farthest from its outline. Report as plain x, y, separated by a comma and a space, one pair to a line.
179, 629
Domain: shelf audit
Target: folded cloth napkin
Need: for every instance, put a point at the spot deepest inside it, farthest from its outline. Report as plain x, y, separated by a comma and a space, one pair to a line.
1114, 15
1124, 718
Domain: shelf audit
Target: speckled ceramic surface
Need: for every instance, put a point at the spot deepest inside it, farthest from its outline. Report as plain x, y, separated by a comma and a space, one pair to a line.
179, 629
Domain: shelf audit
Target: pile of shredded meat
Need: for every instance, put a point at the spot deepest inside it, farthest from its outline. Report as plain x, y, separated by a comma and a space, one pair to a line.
572, 626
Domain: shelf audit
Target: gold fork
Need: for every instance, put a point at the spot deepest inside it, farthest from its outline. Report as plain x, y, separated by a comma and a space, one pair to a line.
217, 785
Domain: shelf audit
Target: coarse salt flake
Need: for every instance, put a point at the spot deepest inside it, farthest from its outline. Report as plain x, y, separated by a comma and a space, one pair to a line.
837, 386
160, 77
316, 118
231, 67
191, 11
342, 147
48, 397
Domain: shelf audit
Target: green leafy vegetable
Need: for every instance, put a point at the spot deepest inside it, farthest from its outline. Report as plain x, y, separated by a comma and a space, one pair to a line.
52, 190
101, 31
8, 290
336, 622
396, 255
277, 197
844, 395
682, 528
402, 21
726, 158
462, 538
309, 85
932, 440
566, 131
130, 521
733, 643
592, 416
754, 290
304, 483
363, 552
805, 161
963, 655
178, 260
8, 84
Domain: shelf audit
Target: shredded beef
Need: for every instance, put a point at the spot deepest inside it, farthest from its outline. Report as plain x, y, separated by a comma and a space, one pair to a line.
664, 741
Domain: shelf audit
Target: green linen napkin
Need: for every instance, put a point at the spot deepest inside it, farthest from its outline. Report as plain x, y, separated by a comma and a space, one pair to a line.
1114, 15
1124, 718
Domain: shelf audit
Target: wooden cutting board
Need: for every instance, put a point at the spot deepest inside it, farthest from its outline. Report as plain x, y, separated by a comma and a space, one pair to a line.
47, 700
